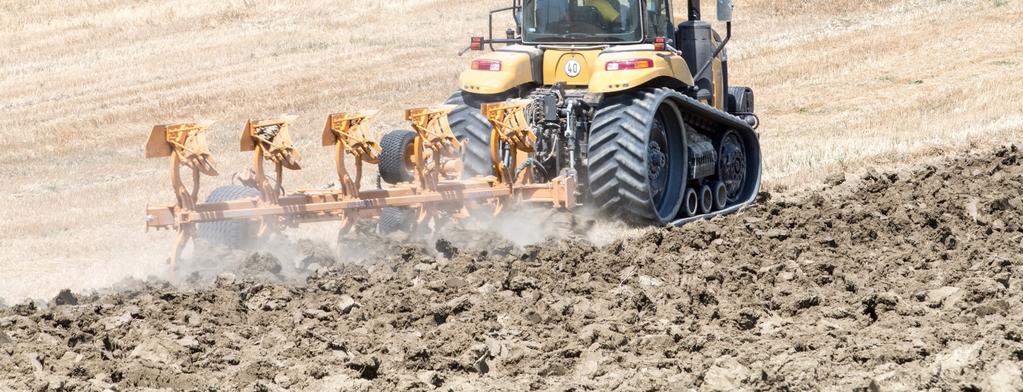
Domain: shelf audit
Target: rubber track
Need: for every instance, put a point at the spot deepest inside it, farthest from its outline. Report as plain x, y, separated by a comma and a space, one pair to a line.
710, 119
617, 174
617, 154
468, 123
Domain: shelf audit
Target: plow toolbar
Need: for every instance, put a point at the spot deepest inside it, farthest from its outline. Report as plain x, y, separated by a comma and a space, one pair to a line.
438, 191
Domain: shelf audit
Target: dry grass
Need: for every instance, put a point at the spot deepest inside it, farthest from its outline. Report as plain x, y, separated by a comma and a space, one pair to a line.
840, 85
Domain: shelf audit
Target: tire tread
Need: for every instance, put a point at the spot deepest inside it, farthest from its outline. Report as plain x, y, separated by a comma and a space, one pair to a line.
231, 234
393, 169
617, 156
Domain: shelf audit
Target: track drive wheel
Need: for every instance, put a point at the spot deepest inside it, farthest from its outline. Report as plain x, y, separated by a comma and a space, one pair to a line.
231, 234
732, 165
469, 125
637, 156
395, 157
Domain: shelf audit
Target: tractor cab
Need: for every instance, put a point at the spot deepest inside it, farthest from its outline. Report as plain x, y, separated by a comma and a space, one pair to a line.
593, 21
603, 46
582, 22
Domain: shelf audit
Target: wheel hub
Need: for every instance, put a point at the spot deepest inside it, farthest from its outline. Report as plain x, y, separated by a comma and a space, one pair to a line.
657, 161
732, 165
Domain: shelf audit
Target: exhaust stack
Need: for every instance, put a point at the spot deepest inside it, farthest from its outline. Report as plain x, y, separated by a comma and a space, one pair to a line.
694, 10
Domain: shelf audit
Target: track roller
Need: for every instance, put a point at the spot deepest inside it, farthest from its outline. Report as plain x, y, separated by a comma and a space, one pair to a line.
720, 195
691, 203
706, 199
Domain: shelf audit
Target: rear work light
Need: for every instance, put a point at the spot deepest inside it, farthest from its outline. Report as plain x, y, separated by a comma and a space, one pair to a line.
660, 44
476, 43
486, 65
625, 65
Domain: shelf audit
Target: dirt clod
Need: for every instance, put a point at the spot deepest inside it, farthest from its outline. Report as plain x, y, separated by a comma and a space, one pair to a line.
366, 366
835, 179
258, 264
446, 248
65, 297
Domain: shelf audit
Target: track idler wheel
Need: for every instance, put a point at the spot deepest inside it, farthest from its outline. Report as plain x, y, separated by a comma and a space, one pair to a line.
732, 165
720, 195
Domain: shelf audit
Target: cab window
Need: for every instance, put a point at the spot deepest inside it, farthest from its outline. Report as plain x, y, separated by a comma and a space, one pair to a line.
659, 19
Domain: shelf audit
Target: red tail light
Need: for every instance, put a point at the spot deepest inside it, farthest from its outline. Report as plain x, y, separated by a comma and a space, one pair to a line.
625, 65
660, 44
476, 43
486, 65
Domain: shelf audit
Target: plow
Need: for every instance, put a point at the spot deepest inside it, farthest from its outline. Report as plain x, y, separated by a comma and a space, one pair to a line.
608, 105
439, 190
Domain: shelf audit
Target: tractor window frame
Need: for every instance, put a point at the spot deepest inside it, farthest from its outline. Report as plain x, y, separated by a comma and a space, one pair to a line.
657, 28
642, 28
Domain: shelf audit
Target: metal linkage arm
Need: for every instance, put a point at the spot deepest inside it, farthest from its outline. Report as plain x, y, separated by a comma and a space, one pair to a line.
271, 141
436, 149
511, 129
185, 144
431, 124
344, 132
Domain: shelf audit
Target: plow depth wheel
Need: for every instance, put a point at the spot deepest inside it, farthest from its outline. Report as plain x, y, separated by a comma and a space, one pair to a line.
395, 158
231, 234
395, 219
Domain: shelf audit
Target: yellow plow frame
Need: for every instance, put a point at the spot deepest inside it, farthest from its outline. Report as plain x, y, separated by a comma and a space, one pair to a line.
435, 157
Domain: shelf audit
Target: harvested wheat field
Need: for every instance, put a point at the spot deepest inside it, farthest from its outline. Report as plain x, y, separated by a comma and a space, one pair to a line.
884, 253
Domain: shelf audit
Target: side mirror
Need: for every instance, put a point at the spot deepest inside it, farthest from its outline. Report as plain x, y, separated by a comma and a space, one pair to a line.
725, 10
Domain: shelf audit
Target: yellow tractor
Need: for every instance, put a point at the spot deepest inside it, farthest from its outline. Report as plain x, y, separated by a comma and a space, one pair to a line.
636, 108
605, 103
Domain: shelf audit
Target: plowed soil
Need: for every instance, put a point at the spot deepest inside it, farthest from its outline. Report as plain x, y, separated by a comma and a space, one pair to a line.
890, 281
